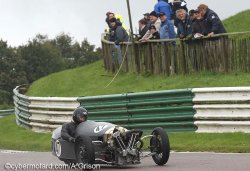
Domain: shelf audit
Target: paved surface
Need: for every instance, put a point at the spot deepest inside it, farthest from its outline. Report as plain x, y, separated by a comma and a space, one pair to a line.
177, 162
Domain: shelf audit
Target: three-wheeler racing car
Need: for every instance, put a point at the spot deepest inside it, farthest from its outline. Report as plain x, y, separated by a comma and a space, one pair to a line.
110, 144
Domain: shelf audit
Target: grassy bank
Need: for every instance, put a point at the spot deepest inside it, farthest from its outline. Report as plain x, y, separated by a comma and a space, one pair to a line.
238, 23
92, 79
16, 138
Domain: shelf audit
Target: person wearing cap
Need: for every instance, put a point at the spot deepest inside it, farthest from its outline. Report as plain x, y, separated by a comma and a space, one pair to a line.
184, 27
155, 34
198, 23
120, 35
163, 6
147, 19
154, 21
167, 27
193, 14
212, 22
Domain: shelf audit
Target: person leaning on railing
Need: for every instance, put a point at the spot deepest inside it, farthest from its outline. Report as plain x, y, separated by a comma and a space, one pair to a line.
154, 21
167, 27
198, 24
212, 22
184, 27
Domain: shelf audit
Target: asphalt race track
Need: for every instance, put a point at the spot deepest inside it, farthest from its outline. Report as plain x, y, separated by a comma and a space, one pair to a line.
177, 162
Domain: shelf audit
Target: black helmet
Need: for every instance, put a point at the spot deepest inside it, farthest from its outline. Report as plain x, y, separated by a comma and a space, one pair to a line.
80, 113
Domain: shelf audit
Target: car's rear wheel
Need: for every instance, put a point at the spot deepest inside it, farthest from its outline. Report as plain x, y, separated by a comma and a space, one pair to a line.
159, 144
84, 150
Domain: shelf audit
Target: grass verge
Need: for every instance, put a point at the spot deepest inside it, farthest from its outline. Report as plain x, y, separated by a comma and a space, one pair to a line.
16, 138
91, 80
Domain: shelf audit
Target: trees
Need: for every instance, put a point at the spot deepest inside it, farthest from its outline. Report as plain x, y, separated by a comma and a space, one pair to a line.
11, 72
40, 57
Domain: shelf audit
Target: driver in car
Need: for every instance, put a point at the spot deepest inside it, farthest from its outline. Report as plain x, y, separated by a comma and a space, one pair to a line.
80, 115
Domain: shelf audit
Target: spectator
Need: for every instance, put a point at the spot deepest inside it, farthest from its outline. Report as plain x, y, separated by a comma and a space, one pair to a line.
163, 6
154, 21
212, 22
167, 28
154, 32
184, 28
110, 15
193, 14
120, 35
143, 27
198, 24
147, 19
176, 5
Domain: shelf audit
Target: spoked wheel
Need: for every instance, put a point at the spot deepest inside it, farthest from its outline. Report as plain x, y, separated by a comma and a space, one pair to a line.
84, 150
159, 144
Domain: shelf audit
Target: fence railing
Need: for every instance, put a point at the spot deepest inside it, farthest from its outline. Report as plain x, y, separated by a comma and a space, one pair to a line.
221, 53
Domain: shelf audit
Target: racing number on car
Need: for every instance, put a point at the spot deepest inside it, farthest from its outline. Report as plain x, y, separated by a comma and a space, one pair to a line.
100, 128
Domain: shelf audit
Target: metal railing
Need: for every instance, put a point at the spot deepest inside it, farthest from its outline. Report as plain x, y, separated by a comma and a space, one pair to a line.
225, 109
43, 113
172, 109
6, 112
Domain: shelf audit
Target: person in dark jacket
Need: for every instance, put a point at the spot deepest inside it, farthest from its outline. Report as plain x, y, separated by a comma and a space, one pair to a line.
176, 5
120, 33
146, 17
68, 131
212, 22
184, 28
198, 24
154, 32
143, 28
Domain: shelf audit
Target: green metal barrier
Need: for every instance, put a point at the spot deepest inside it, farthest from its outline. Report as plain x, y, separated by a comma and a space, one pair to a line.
6, 112
172, 110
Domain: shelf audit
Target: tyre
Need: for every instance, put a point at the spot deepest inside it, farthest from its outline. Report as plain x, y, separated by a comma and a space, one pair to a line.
159, 144
84, 150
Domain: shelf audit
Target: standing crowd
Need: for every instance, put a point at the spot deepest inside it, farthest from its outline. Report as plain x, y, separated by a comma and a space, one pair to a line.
161, 23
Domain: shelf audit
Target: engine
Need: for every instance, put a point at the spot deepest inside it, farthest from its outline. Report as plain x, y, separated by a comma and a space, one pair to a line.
123, 145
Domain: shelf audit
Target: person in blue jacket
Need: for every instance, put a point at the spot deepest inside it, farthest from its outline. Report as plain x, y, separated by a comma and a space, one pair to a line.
163, 6
212, 22
184, 27
167, 27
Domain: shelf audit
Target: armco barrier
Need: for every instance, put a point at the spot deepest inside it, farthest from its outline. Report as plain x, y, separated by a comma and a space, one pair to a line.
201, 110
224, 109
43, 114
21, 103
6, 112
172, 110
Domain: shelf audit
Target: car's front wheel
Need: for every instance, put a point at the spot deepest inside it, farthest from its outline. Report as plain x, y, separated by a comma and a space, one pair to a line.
159, 145
84, 150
